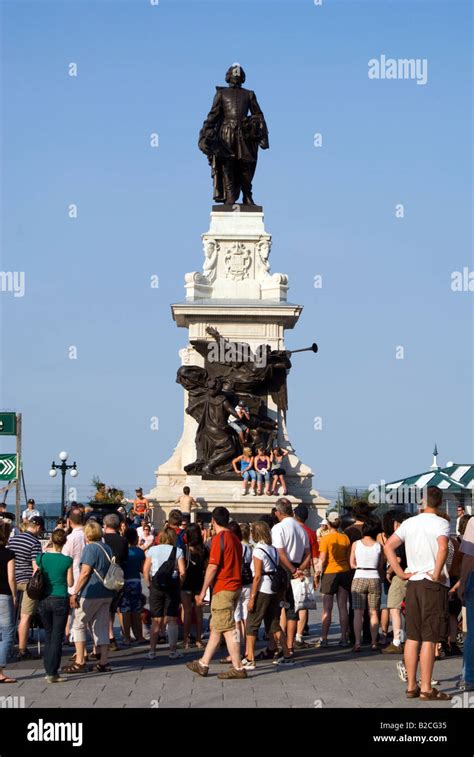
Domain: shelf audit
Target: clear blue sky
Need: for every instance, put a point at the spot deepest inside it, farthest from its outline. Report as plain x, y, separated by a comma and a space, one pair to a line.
386, 281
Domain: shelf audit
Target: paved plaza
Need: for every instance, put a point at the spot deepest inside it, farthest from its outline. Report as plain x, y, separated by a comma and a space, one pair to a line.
331, 677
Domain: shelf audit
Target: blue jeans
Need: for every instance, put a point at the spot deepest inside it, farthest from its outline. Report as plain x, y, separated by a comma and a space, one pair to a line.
53, 613
7, 628
468, 670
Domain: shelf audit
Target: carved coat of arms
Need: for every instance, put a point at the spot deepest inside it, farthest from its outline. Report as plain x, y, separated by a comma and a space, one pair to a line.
237, 262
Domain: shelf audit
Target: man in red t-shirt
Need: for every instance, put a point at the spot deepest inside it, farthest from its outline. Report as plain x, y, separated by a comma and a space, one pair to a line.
224, 574
301, 516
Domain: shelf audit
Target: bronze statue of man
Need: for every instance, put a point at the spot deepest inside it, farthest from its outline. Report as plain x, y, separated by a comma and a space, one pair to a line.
230, 138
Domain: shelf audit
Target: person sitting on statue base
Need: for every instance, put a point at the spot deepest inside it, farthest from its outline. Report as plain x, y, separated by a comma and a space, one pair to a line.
243, 466
237, 421
262, 463
277, 470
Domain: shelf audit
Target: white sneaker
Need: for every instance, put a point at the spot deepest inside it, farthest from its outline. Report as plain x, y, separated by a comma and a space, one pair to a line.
151, 655
175, 655
244, 492
248, 664
285, 661
402, 671
254, 493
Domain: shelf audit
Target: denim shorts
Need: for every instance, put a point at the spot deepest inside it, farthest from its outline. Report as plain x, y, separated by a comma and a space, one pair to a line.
263, 476
239, 427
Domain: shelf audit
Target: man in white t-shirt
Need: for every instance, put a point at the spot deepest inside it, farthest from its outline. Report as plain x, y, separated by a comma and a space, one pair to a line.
292, 543
31, 511
466, 592
425, 537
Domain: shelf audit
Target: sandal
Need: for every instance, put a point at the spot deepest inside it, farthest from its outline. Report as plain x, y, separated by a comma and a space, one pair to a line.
225, 661
435, 695
102, 668
7, 679
356, 648
413, 694
265, 654
76, 668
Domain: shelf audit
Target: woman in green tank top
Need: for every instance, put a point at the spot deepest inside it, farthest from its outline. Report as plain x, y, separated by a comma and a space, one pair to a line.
54, 606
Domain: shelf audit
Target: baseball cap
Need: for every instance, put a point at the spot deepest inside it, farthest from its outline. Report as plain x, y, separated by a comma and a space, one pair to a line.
333, 517
301, 512
323, 522
31, 502
7, 516
37, 520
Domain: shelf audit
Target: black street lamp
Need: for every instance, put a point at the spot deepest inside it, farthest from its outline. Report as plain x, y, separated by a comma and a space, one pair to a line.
63, 467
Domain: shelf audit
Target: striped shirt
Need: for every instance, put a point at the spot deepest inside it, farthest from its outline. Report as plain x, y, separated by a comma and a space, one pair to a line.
26, 547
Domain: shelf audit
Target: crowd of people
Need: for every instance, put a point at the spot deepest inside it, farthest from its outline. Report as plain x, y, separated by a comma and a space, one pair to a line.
399, 584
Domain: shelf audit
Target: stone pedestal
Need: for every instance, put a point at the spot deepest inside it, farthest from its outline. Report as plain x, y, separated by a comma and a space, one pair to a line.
237, 294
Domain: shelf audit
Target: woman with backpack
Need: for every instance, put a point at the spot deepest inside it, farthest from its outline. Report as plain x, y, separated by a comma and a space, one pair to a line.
241, 610
265, 593
197, 556
91, 601
164, 573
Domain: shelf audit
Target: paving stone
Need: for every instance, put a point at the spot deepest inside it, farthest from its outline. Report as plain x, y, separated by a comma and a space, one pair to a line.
329, 677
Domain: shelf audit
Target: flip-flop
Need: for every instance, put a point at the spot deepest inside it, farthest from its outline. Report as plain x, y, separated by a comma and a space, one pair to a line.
7, 679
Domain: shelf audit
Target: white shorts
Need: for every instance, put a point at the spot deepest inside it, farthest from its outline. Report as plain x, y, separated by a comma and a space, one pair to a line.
241, 611
95, 614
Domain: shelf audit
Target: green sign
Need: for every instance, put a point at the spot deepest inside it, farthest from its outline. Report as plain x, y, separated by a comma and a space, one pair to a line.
8, 424
7, 467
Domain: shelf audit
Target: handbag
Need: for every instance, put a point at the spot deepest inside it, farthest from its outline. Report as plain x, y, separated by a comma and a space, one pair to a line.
304, 594
35, 587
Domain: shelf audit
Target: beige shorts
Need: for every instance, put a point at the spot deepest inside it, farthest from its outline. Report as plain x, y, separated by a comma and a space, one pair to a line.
95, 614
223, 606
396, 593
28, 606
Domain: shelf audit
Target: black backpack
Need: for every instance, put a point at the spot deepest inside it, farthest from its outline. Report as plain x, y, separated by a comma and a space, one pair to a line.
163, 577
247, 575
280, 578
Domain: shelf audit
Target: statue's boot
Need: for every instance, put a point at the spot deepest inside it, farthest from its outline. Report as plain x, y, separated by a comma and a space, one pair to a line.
247, 199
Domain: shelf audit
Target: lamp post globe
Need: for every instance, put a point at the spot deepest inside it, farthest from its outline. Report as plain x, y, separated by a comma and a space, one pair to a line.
63, 456
53, 472
74, 472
